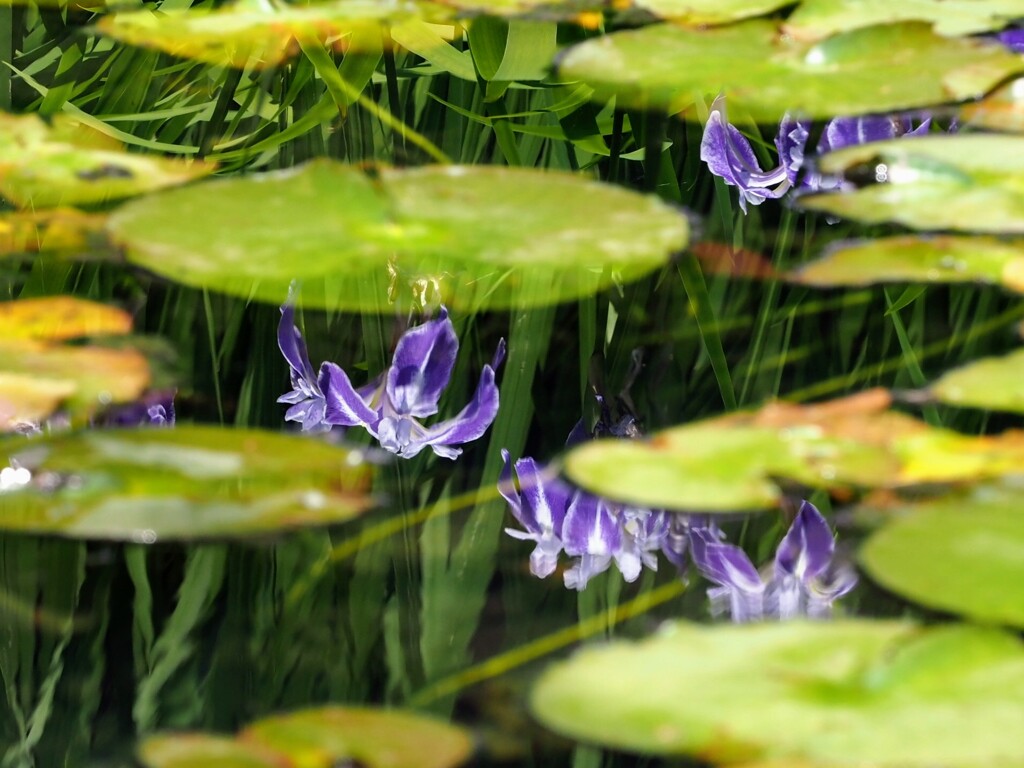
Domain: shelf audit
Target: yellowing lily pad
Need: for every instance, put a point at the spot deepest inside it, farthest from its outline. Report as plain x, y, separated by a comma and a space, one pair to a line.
913, 181
371, 737
876, 69
254, 33
60, 317
817, 19
995, 383
81, 380
1001, 110
963, 554
468, 237
743, 461
710, 11
321, 737
188, 482
843, 693
192, 750
913, 258
71, 164
59, 231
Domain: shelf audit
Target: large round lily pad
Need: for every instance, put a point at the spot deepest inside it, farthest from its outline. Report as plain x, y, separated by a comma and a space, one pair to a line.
67, 163
963, 554
817, 19
915, 258
744, 461
710, 11
844, 693
60, 317
62, 232
318, 738
915, 181
1001, 110
469, 237
259, 34
877, 69
183, 483
995, 383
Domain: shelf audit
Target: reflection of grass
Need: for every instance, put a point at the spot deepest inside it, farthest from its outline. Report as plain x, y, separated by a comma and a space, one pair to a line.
390, 612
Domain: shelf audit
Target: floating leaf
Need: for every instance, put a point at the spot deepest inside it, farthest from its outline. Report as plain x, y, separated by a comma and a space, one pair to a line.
545, 9
188, 482
710, 11
370, 737
878, 69
724, 259
1001, 110
742, 460
963, 554
912, 181
89, 377
995, 383
60, 317
71, 164
469, 237
256, 34
60, 231
326, 736
818, 19
197, 750
842, 693
913, 258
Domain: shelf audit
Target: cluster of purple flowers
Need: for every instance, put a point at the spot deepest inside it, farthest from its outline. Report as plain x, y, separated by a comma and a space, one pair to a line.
391, 405
730, 156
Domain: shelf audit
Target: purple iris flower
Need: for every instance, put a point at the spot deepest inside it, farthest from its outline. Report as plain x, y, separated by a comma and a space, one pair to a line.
155, 408
1012, 39
729, 155
390, 406
804, 580
539, 507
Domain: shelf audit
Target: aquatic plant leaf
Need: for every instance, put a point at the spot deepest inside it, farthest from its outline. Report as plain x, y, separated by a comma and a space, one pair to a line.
189, 482
670, 67
916, 258
192, 750
849, 692
255, 34
467, 237
372, 737
550, 10
710, 11
68, 163
962, 553
325, 736
994, 383
818, 19
89, 379
60, 317
61, 232
1001, 110
742, 461
911, 181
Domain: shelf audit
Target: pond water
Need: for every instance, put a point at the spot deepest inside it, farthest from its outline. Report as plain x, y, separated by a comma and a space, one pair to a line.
418, 384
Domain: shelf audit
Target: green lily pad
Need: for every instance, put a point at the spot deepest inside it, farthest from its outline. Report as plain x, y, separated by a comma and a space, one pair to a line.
318, 738
995, 383
912, 181
1001, 110
710, 11
256, 33
61, 232
743, 461
963, 554
818, 19
468, 237
188, 482
877, 69
371, 737
844, 693
71, 164
913, 258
